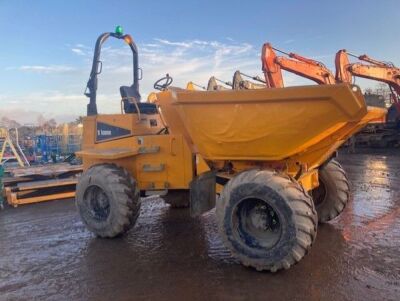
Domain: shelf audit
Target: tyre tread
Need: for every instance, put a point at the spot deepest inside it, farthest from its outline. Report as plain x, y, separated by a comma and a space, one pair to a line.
297, 198
128, 200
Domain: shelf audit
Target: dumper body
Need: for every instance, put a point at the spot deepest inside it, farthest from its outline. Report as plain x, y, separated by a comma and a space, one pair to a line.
293, 129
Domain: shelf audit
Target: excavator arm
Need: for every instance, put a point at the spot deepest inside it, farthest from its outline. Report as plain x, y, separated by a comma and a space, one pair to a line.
297, 64
375, 70
389, 75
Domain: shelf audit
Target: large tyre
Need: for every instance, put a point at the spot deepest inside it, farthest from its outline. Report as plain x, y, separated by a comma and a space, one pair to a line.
178, 198
108, 200
333, 192
266, 219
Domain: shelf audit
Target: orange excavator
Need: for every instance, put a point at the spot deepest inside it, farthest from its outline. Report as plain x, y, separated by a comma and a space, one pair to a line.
272, 66
375, 70
295, 63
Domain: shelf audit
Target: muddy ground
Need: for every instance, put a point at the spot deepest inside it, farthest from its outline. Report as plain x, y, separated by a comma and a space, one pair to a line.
47, 254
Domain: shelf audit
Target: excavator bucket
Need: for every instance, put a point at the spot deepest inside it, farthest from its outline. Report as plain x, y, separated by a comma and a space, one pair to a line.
305, 123
239, 83
212, 85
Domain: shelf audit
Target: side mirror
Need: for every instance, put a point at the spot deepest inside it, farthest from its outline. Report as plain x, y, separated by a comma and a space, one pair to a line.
140, 73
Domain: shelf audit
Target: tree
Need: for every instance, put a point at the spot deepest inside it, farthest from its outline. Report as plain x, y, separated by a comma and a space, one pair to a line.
9, 123
79, 120
52, 123
383, 90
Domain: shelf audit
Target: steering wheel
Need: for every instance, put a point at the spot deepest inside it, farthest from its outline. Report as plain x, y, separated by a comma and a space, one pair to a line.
163, 83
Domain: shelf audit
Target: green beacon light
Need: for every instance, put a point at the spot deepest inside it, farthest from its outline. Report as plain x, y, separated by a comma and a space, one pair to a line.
119, 31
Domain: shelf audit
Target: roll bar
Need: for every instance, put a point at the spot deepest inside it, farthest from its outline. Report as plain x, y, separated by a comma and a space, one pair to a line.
91, 87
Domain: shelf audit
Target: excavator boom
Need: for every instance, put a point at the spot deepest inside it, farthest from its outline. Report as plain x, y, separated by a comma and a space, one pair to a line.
302, 66
319, 74
305, 60
367, 59
272, 70
389, 75
376, 70
342, 75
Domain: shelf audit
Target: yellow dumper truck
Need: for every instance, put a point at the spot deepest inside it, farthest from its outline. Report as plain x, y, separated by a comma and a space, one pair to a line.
264, 158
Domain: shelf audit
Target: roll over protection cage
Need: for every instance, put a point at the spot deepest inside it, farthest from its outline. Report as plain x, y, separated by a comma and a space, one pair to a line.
127, 92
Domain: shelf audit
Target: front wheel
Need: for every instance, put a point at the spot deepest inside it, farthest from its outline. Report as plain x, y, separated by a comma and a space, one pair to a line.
266, 219
108, 200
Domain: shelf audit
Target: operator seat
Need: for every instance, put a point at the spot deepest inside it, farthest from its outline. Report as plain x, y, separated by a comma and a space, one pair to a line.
130, 95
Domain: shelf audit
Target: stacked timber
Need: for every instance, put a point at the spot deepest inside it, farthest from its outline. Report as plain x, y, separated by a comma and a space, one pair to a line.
32, 184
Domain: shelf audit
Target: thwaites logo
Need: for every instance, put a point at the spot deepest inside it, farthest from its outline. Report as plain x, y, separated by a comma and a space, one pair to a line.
108, 132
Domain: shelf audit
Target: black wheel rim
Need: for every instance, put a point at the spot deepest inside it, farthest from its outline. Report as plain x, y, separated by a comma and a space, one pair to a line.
257, 224
97, 202
319, 194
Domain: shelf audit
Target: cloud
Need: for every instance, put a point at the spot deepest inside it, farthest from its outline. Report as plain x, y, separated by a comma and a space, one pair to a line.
63, 107
30, 117
46, 99
150, 45
78, 51
180, 44
185, 60
45, 69
188, 60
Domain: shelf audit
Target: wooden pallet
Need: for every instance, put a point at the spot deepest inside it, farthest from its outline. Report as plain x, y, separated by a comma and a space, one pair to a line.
14, 200
41, 183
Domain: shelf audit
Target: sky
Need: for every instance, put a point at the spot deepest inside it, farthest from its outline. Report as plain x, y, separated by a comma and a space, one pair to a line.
47, 46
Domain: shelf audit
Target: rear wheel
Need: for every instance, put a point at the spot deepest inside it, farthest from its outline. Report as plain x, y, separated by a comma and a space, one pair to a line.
333, 193
267, 220
108, 200
178, 198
